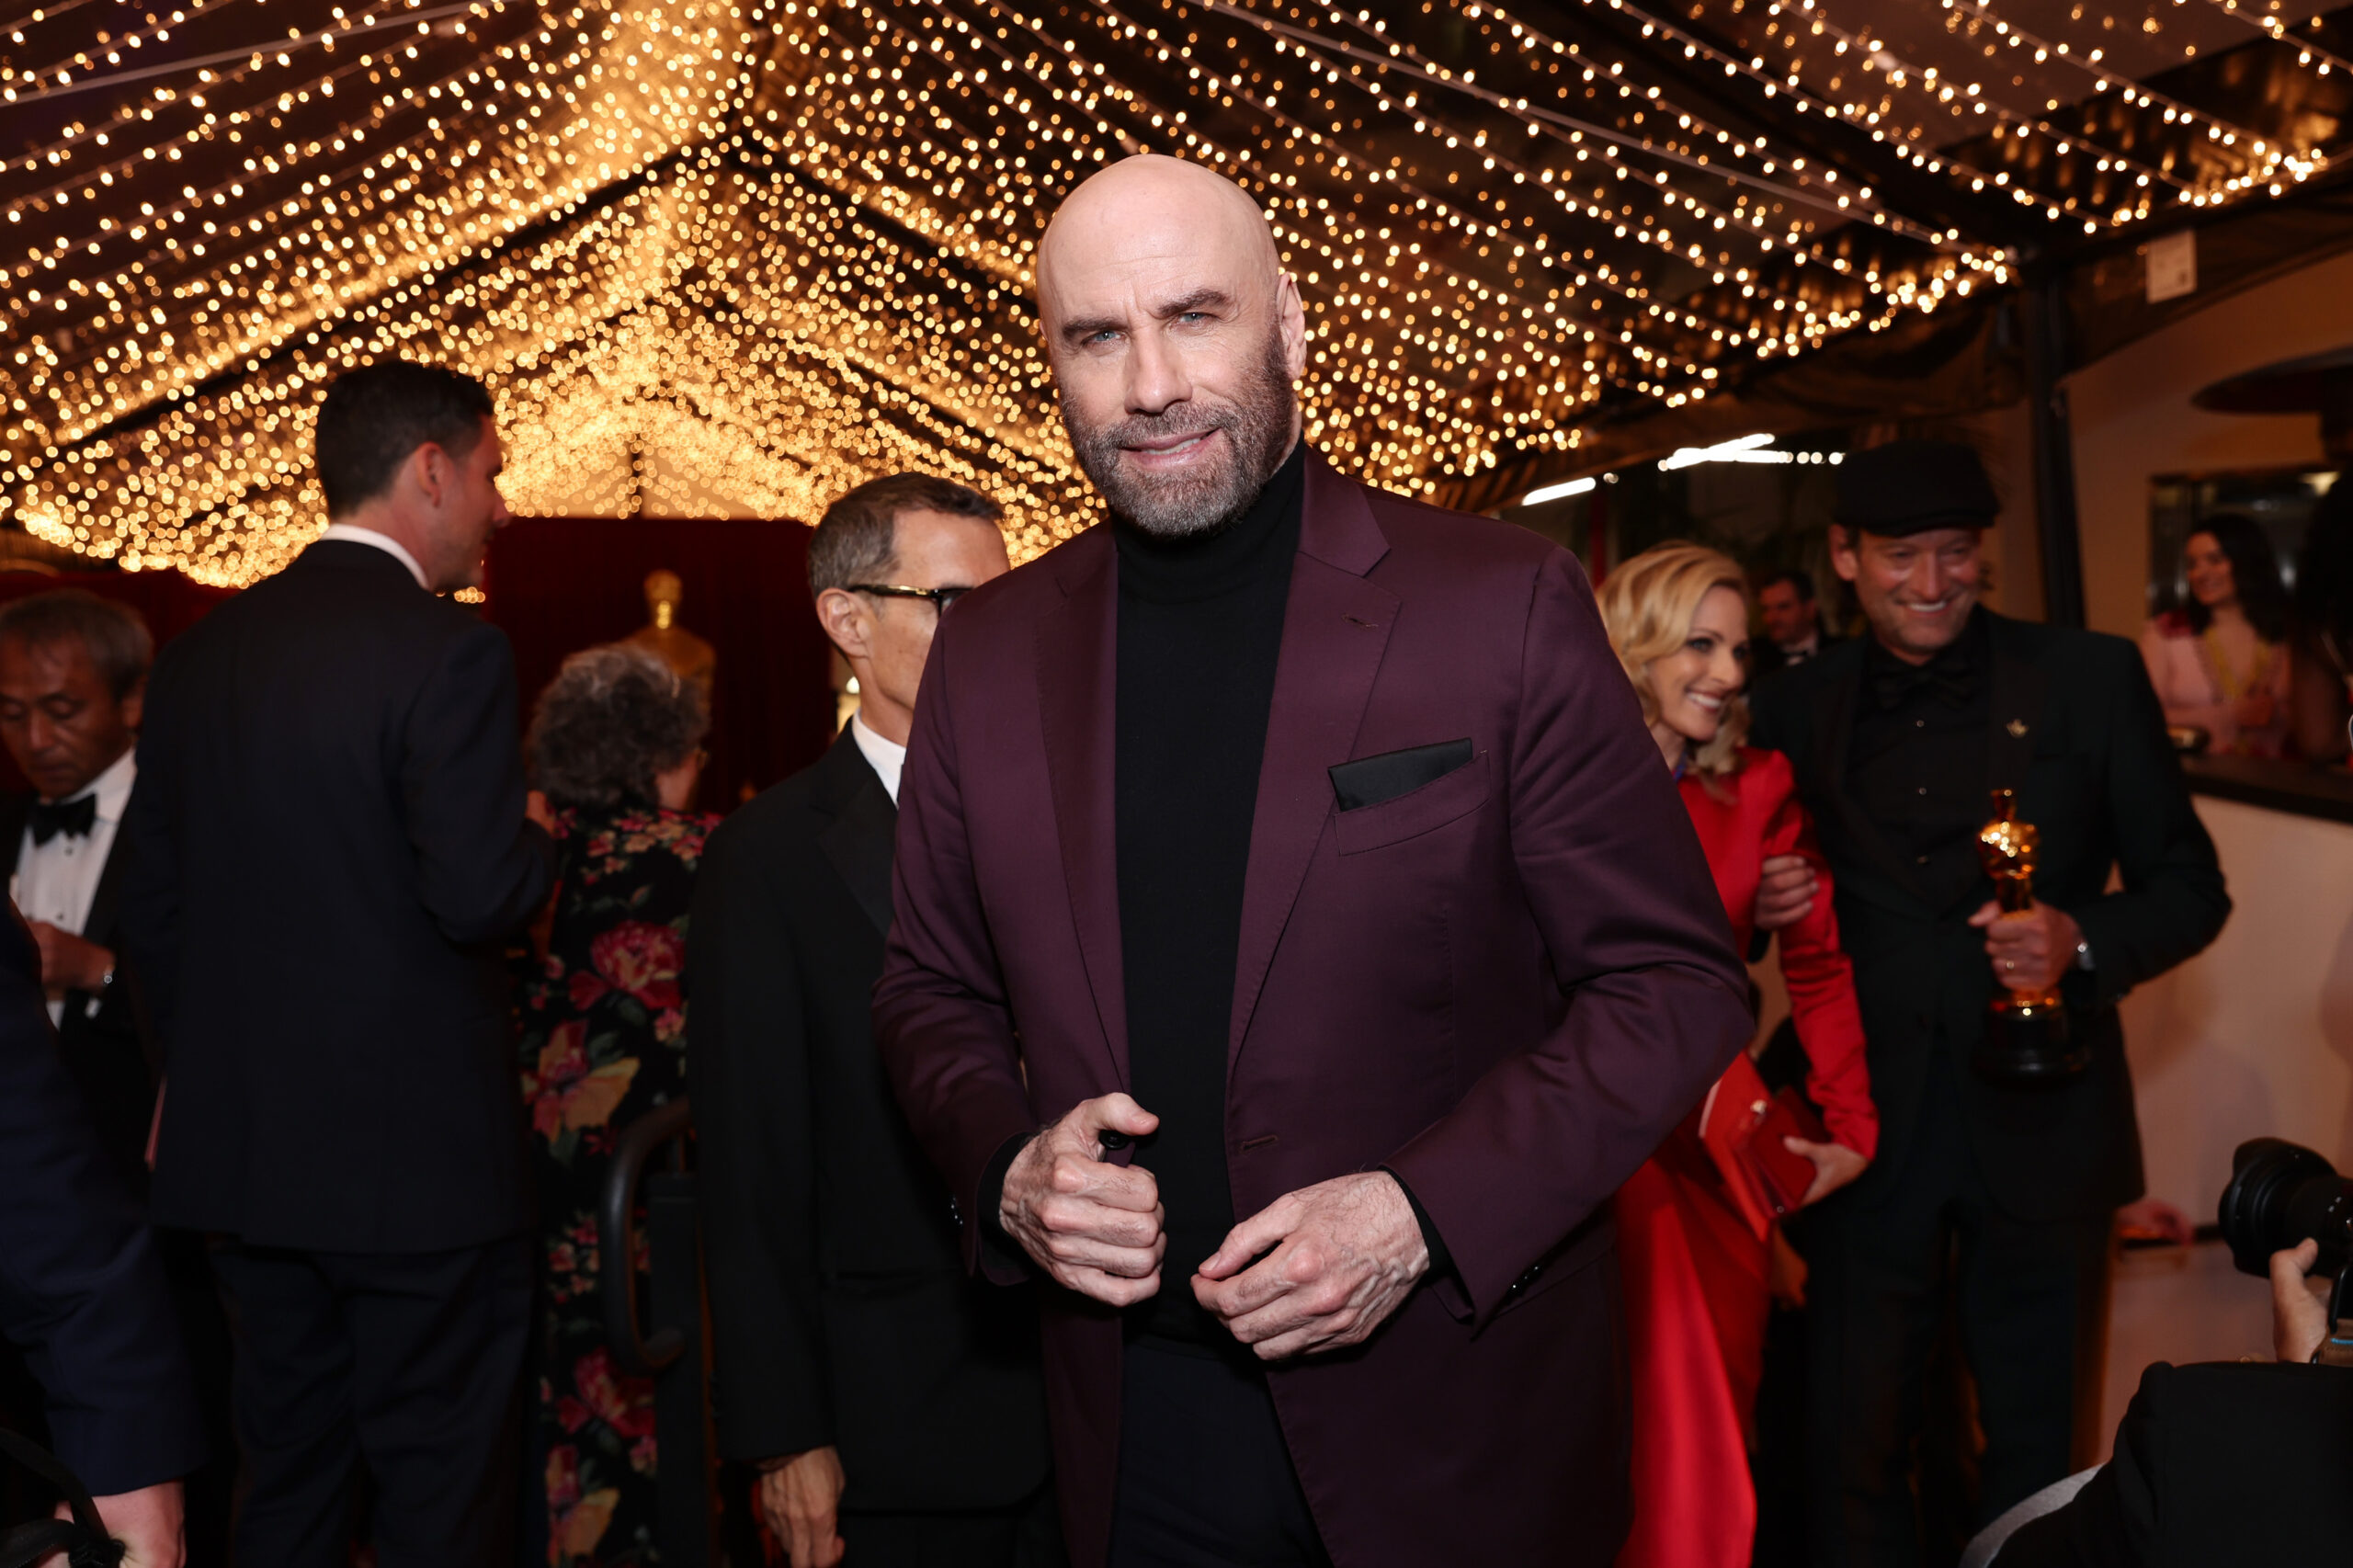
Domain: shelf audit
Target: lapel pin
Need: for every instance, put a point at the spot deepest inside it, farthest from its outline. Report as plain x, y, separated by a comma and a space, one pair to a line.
2017, 728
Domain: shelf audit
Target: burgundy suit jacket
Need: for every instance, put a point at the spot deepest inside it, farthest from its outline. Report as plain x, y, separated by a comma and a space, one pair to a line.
1506, 986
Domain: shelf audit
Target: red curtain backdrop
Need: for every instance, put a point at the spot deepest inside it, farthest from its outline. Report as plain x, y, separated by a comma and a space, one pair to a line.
559, 585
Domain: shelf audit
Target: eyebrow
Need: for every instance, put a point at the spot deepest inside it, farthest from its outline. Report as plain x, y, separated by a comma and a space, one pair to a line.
1084, 327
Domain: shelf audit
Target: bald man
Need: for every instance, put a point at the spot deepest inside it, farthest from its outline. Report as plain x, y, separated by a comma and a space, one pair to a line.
1294, 856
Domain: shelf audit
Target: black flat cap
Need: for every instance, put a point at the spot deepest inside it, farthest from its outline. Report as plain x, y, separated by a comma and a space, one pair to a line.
1909, 488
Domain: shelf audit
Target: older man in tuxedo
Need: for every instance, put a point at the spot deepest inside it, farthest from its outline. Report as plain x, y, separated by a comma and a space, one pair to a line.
893, 1402
1295, 854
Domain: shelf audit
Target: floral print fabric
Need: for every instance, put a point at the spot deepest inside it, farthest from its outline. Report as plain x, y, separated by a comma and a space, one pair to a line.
603, 1041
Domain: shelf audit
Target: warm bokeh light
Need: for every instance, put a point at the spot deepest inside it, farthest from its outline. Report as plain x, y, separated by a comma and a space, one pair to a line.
735, 257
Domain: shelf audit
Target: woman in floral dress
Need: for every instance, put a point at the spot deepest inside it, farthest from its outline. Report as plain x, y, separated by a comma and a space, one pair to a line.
614, 748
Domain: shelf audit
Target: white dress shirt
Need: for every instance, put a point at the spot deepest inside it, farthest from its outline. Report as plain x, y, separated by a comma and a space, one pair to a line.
57, 882
886, 758
351, 534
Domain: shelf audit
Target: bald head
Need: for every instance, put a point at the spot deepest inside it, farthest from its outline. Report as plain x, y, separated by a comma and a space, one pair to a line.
1176, 337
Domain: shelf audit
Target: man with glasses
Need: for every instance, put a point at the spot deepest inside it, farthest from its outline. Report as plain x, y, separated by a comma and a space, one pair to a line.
891, 1404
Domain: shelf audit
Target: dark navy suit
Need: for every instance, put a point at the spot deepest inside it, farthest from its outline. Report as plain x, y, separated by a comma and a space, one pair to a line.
81, 1288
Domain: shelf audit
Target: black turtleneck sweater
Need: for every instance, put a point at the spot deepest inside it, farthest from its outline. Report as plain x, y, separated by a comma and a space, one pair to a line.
1200, 623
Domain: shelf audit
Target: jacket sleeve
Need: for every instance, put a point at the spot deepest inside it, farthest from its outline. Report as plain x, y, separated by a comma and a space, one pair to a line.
747, 1072
1657, 999
1821, 979
150, 891
80, 1285
2172, 902
483, 869
941, 1022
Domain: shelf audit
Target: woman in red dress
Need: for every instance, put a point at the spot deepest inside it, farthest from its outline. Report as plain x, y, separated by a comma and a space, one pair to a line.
1695, 1268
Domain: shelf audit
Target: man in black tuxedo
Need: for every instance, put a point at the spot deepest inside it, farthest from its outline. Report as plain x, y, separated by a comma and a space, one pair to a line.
1792, 623
73, 676
892, 1402
2000, 1199
328, 844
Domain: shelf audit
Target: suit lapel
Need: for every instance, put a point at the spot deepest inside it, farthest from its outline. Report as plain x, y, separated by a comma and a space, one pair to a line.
98, 925
1077, 687
862, 837
14, 812
1336, 627
1834, 720
2018, 693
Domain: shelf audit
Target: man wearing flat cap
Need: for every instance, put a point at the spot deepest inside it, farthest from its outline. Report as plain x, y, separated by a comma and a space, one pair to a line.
1992, 1201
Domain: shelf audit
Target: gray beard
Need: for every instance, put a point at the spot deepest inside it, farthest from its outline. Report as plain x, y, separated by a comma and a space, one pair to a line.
1200, 504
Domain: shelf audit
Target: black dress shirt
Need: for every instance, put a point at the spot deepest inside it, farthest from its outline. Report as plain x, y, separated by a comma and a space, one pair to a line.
1200, 623
1918, 762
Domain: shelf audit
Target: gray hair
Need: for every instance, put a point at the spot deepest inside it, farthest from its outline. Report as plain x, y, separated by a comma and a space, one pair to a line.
859, 535
113, 635
612, 719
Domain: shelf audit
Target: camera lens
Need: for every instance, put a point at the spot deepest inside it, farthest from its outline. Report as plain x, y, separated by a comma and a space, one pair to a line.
2280, 1194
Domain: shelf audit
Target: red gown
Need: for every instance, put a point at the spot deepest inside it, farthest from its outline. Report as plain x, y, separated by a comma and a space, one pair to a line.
1696, 1296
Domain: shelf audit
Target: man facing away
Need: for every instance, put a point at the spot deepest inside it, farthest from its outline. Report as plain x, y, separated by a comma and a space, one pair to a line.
2000, 1198
1295, 854
328, 844
892, 1404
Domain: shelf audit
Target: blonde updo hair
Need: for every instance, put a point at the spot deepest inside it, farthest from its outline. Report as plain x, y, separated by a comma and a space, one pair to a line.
1647, 605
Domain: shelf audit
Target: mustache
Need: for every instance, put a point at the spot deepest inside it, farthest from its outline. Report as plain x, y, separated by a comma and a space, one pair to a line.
1181, 419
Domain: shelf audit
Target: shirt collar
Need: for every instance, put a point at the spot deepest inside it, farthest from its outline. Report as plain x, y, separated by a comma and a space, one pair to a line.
112, 787
885, 757
351, 533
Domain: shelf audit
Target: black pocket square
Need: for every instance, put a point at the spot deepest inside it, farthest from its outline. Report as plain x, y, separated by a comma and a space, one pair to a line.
1370, 781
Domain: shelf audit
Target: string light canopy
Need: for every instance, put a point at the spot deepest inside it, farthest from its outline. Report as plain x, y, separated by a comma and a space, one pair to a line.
732, 257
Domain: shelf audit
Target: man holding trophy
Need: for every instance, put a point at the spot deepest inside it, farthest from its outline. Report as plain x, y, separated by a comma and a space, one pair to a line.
1988, 956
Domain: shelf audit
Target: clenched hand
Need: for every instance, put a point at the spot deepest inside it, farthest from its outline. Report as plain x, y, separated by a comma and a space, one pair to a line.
1346, 1252
1094, 1226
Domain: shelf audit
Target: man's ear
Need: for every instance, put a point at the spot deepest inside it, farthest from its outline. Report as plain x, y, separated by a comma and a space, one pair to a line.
1291, 321
431, 470
844, 619
134, 704
1843, 559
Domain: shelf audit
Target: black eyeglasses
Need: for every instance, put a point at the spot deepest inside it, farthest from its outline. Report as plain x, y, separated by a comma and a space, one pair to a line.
942, 599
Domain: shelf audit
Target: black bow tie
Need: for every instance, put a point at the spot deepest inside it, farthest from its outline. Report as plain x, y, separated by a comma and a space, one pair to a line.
1949, 676
74, 817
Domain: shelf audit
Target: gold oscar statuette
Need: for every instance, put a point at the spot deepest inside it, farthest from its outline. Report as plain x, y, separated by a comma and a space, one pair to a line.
2026, 1040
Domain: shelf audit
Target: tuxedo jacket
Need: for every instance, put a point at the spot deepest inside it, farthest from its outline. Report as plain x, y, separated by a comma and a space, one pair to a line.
1502, 974
2077, 731
107, 1053
841, 1312
327, 846
81, 1288
2215, 1466
1766, 657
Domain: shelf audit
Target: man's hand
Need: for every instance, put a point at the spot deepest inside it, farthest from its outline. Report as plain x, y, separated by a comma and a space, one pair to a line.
1785, 893
1346, 1252
1835, 1166
799, 1498
2030, 950
1094, 1226
2298, 1305
148, 1522
537, 809
68, 962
